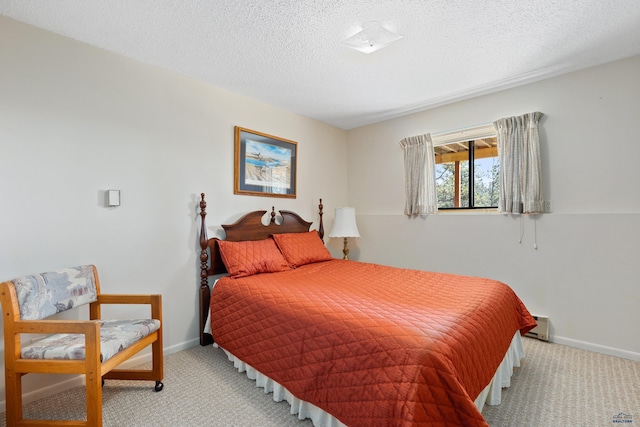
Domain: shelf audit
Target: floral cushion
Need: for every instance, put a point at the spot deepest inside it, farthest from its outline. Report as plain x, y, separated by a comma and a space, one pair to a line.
115, 335
45, 294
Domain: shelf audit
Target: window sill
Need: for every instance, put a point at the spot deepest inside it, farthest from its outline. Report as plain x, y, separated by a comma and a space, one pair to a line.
466, 211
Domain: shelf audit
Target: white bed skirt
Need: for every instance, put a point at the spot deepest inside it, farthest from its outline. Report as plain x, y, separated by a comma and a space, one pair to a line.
491, 395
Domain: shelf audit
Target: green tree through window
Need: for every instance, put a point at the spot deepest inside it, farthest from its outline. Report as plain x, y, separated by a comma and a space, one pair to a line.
453, 183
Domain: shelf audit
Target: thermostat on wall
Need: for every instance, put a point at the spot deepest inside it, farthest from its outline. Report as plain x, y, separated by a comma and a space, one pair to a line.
113, 197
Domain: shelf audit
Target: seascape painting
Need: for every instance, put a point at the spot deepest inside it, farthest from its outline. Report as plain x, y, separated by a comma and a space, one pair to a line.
268, 166
265, 165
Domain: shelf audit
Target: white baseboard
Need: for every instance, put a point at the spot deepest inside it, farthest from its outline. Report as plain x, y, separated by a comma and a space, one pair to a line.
79, 380
625, 354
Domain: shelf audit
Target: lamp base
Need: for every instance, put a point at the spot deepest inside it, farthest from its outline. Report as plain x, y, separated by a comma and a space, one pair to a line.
345, 251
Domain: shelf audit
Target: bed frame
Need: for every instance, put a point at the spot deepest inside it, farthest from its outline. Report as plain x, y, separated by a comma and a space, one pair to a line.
249, 227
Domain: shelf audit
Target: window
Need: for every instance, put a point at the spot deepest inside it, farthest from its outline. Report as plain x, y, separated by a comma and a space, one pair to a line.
467, 168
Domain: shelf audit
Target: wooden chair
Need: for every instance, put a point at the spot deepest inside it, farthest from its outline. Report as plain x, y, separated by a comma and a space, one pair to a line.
92, 347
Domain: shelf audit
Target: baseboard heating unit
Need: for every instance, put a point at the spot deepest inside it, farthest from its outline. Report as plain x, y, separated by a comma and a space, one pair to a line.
541, 331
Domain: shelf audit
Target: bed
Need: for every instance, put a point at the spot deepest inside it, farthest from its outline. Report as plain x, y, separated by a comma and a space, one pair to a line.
353, 343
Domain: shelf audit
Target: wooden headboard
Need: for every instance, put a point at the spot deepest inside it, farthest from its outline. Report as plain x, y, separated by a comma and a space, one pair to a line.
249, 227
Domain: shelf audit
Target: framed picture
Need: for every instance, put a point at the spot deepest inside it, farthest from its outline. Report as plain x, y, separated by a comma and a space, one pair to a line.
265, 165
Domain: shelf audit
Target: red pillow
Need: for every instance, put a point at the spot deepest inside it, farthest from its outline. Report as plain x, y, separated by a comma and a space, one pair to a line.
302, 248
252, 257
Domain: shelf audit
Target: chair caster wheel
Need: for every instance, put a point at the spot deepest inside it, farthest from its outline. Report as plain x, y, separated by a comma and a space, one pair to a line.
159, 386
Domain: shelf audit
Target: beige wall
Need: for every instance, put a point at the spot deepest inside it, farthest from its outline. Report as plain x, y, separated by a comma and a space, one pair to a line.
585, 273
76, 121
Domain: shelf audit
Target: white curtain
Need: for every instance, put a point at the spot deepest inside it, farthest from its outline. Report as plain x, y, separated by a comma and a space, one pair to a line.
520, 164
419, 176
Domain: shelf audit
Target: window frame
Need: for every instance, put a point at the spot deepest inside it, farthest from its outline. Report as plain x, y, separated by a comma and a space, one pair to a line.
466, 135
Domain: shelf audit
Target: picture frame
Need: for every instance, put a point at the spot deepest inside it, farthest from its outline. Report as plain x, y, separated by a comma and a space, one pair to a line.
264, 165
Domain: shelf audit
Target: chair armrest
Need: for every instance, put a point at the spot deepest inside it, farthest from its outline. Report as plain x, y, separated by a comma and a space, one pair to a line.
57, 327
154, 300
89, 328
128, 299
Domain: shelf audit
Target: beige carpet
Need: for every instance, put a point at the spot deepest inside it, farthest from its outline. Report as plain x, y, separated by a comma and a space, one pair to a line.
564, 386
556, 386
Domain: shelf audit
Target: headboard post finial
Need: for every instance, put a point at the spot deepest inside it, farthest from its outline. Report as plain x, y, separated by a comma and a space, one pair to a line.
205, 293
204, 257
321, 226
273, 215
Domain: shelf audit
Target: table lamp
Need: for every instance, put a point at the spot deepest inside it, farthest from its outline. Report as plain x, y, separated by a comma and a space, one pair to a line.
344, 225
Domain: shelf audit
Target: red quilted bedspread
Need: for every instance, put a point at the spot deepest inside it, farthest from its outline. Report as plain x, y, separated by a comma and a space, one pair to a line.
372, 345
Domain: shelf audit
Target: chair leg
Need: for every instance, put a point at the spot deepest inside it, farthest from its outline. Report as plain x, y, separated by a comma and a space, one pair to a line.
157, 362
93, 376
13, 391
94, 399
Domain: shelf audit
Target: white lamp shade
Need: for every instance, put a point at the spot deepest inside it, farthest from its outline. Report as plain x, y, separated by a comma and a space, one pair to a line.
344, 223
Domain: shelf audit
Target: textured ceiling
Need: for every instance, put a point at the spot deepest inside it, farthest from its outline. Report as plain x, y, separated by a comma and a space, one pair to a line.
288, 53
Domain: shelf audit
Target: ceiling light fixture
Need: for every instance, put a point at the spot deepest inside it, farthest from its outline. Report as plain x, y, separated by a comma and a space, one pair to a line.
371, 38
